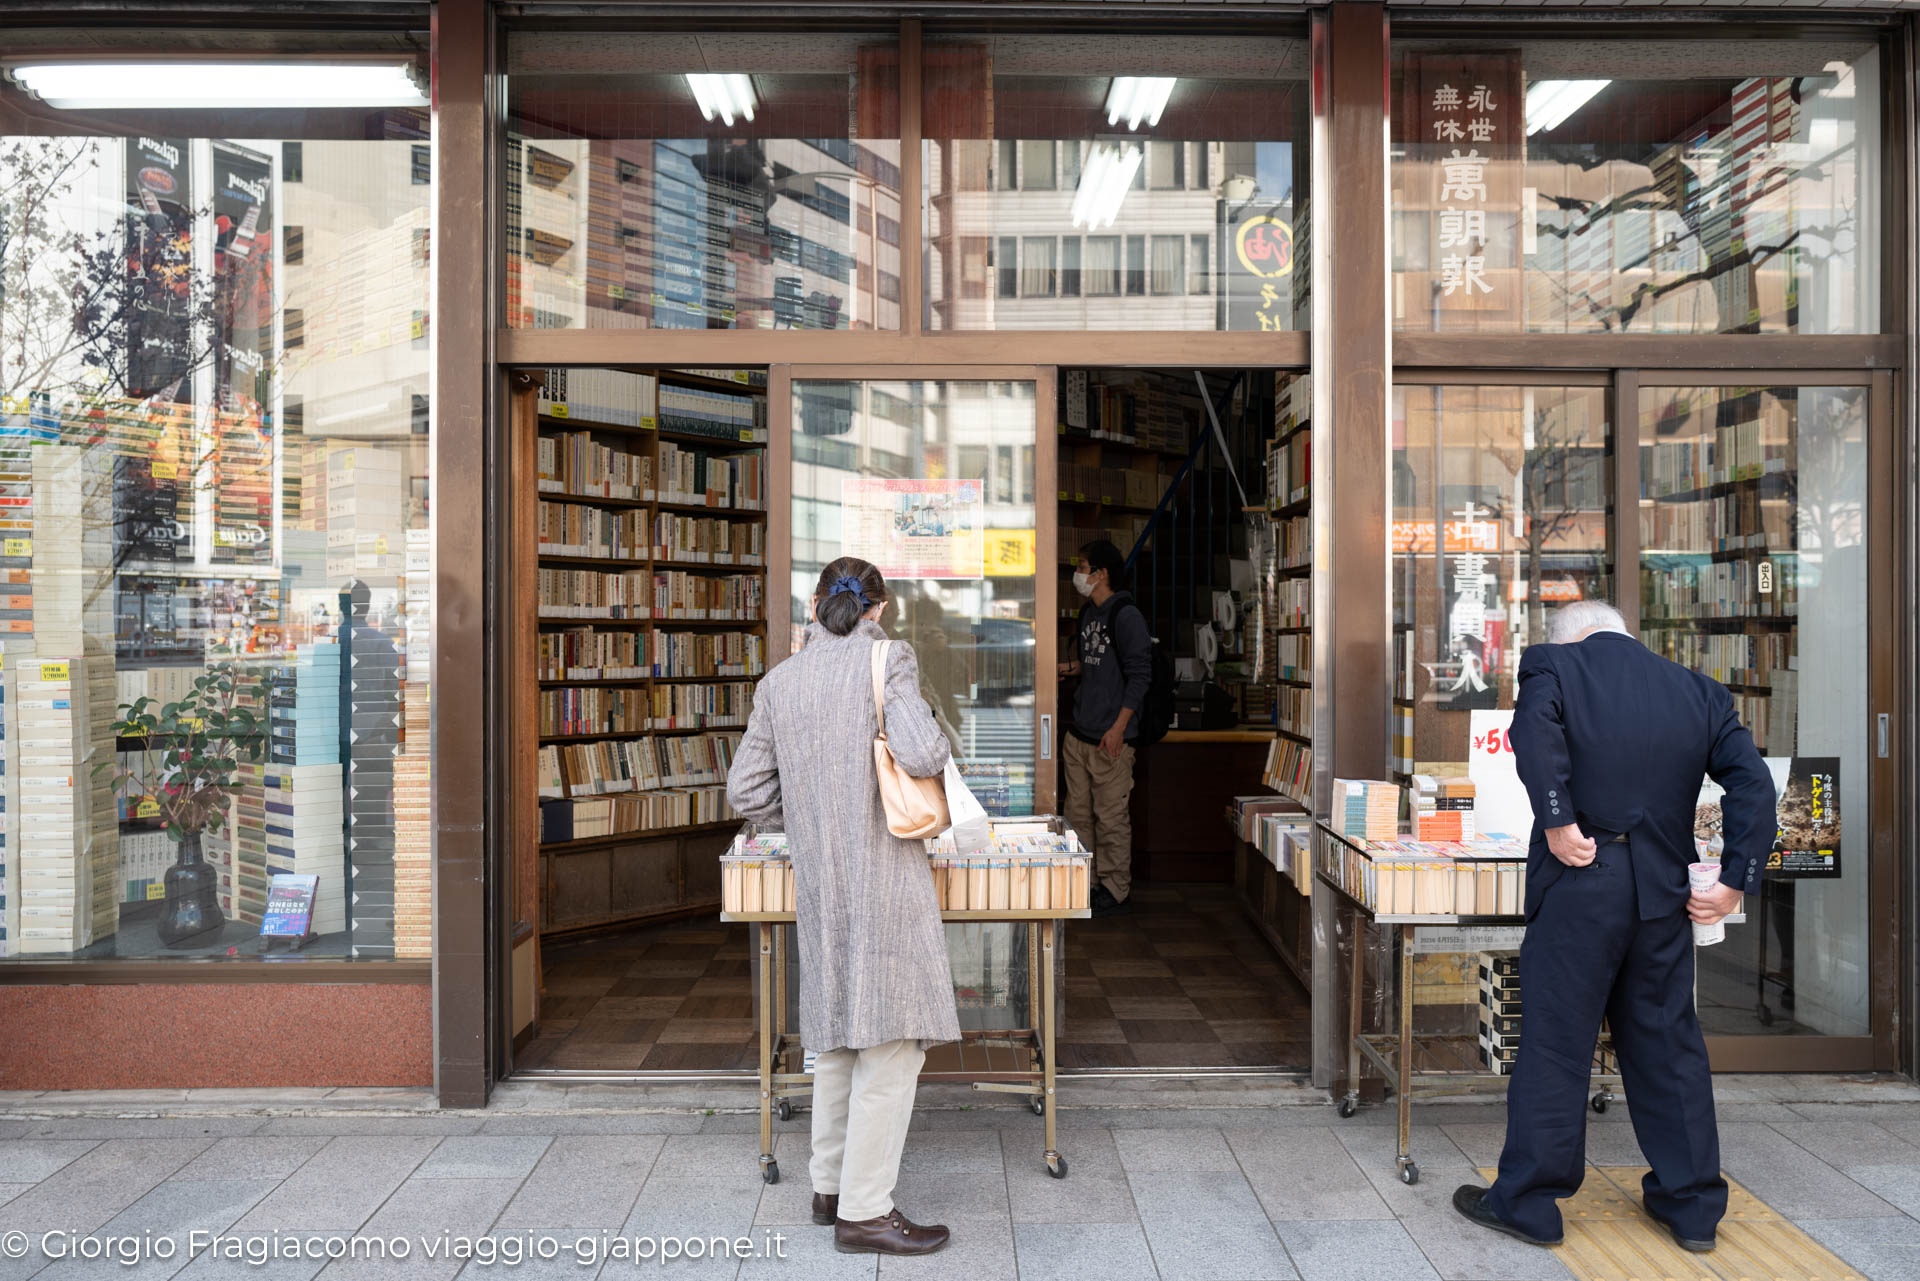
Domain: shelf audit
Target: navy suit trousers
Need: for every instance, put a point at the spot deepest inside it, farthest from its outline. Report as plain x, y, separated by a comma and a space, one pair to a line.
1587, 954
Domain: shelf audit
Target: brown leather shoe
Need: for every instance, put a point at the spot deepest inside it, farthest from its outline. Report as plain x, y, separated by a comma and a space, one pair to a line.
826, 1208
891, 1233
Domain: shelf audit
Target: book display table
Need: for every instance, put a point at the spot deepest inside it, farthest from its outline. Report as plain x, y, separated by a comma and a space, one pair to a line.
1402, 885
757, 888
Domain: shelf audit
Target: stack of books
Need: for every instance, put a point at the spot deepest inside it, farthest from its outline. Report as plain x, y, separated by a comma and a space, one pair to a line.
303, 785
366, 513
373, 741
1442, 808
1290, 769
57, 873
412, 780
1499, 1010
1406, 877
1366, 808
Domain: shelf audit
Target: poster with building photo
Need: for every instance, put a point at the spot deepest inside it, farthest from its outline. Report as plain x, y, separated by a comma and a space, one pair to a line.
914, 528
1806, 843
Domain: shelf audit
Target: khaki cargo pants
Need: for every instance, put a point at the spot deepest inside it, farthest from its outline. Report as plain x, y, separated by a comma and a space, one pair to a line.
1098, 787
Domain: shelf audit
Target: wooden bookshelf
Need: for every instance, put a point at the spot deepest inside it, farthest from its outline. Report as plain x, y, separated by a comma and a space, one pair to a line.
648, 873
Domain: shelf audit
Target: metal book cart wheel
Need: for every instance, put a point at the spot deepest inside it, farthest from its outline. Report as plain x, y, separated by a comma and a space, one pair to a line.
782, 1075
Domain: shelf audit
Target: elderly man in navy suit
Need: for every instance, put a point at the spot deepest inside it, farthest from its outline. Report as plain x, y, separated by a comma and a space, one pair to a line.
1611, 742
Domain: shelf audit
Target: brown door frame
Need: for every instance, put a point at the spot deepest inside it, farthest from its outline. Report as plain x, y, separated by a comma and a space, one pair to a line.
780, 382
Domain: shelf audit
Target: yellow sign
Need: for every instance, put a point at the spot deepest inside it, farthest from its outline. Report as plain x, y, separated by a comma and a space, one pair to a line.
166, 471
147, 808
1010, 553
19, 547
53, 671
156, 890
1264, 246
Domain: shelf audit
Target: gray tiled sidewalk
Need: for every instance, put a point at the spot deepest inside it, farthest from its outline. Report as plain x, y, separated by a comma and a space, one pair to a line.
1195, 1181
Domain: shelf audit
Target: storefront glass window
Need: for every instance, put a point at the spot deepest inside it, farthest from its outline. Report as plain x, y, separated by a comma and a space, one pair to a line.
1501, 504
673, 180
1636, 186
214, 435
1753, 570
1153, 148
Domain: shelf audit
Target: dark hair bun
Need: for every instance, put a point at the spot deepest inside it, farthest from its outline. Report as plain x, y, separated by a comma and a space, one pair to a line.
839, 611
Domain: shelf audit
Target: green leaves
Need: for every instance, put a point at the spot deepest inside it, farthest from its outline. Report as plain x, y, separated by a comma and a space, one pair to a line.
194, 747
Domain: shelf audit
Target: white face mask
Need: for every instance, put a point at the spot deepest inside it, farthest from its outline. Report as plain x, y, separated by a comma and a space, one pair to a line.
1082, 583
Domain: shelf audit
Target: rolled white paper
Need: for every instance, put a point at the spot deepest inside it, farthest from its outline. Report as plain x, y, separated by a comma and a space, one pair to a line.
1704, 876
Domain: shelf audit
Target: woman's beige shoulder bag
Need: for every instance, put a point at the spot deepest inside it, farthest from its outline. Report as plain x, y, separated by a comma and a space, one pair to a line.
916, 807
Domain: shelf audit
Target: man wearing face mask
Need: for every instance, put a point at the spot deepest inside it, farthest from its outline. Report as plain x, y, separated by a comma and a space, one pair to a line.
1115, 664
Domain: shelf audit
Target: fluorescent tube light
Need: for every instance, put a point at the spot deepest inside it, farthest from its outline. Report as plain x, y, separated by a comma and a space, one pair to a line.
1104, 183
114, 86
1550, 102
726, 96
1138, 98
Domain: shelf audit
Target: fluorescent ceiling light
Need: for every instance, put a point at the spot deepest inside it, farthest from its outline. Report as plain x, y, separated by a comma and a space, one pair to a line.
726, 96
1138, 98
1104, 183
1550, 102
111, 86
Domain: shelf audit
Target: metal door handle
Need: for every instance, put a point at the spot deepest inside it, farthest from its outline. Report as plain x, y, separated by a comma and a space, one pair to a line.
1885, 732
1046, 737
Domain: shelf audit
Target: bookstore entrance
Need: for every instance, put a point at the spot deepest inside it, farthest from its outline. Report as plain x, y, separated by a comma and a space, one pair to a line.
679, 520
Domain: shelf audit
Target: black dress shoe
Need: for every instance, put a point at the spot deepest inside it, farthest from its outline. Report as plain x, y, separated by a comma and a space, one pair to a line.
1471, 1200
1104, 903
826, 1208
891, 1233
1697, 1245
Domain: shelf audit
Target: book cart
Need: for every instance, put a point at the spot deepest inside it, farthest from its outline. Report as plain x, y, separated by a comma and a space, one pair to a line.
769, 881
1415, 1066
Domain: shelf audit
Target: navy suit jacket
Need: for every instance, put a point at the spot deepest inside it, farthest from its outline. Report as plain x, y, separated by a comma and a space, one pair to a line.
1609, 735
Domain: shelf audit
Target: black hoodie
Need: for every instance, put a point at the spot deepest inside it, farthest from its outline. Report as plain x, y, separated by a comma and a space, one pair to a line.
1116, 663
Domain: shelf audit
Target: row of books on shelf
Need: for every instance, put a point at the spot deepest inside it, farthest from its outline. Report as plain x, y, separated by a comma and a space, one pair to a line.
634, 813
1720, 589
1127, 486
1293, 602
1744, 520
1403, 652
1733, 658
982, 883
1293, 656
590, 654
1289, 471
743, 377
708, 539
594, 709
1289, 769
1365, 808
733, 597
1132, 408
1282, 830
601, 395
1293, 709
593, 593
1293, 541
1400, 745
701, 412
634, 764
1739, 451
573, 462
1407, 877
737, 482
575, 529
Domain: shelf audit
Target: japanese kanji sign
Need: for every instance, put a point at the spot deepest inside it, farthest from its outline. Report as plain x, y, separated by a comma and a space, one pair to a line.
1464, 175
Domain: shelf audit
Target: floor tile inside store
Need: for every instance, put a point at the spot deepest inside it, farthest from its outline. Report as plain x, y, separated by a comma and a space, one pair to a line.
1194, 1180
1183, 980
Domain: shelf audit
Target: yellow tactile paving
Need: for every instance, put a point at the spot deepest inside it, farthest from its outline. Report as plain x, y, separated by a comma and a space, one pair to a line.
1610, 1238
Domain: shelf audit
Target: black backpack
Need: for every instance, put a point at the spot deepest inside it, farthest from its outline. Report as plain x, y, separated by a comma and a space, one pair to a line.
1156, 709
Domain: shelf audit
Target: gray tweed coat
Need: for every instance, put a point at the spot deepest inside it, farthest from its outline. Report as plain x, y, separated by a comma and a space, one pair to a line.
873, 953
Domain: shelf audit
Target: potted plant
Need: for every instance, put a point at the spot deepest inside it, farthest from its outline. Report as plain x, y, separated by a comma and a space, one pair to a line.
191, 753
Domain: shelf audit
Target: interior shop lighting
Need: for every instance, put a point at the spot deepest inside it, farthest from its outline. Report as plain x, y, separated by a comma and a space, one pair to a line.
1550, 102
1104, 183
1138, 98
112, 86
726, 96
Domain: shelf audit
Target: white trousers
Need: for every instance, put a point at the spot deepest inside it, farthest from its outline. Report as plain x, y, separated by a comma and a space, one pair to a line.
862, 1102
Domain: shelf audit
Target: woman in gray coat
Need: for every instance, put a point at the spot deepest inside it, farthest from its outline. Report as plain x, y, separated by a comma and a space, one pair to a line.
875, 986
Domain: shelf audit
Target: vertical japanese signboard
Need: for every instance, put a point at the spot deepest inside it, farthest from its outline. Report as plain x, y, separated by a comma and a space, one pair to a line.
243, 341
1465, 177
159, 268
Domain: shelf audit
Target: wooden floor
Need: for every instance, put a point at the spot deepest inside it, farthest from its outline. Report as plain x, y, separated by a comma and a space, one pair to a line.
1180, 981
